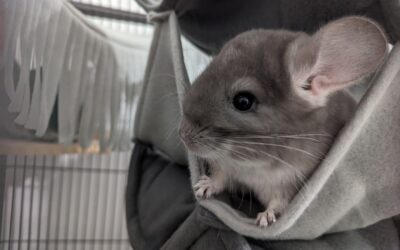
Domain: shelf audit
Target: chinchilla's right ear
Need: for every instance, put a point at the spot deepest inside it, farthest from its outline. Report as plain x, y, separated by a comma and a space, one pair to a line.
338, 55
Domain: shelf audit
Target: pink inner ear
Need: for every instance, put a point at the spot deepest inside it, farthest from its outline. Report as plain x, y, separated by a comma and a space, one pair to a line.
350, 49
320, 85
341, 53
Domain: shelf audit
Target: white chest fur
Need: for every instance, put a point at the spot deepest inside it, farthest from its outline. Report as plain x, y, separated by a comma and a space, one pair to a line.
262, 177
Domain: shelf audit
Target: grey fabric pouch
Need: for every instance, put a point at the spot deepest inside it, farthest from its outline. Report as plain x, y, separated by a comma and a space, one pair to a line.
347, 205
162, 214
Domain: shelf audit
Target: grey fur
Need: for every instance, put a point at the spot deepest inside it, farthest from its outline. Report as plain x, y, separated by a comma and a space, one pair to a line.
274, 148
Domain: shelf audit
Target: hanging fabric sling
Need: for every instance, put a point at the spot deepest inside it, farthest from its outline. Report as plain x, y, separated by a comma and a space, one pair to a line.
350, 198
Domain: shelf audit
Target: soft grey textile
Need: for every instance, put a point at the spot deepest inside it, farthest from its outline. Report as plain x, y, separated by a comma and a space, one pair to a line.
357, 184
391, 11
158, 111
209, 23
158, 198
161, 213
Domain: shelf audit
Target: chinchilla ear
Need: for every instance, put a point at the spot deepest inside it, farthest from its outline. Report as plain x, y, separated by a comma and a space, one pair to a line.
340, 54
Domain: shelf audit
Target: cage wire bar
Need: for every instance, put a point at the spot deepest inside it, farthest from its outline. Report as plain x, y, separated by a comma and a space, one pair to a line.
120, 15
73, 201
104, 12
64, 202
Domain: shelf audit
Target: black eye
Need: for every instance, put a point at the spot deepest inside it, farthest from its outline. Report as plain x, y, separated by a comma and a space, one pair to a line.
243, 101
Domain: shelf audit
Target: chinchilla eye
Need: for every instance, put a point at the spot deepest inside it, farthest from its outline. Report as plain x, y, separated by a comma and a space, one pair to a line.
243, 101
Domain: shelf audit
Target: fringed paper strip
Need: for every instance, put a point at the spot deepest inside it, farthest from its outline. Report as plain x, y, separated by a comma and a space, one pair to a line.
57, 62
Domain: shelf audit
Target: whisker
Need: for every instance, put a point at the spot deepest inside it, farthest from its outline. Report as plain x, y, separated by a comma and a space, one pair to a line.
301, 138
306, 134
300, 180
263, 138
298, 174
229, 150
276, 136
238, 154
275, 145
215, 148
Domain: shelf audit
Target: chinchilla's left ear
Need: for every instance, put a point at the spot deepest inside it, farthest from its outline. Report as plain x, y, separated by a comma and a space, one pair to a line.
338, 55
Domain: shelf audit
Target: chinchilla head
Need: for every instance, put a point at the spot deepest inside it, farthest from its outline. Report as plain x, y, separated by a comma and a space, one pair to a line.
270, 92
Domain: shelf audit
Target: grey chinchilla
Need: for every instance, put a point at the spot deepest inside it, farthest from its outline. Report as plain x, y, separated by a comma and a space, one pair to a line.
267, 108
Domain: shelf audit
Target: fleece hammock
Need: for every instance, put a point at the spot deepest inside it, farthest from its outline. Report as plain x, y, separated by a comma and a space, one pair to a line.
348, 203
